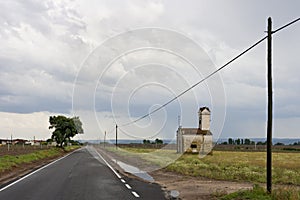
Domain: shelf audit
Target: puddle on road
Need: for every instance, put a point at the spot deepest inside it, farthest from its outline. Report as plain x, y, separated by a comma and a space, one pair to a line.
134, 170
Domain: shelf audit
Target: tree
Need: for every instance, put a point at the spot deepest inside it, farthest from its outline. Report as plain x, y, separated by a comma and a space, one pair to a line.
261, 143
238, 141
279, 144
50, 140
247, 141
296, 143
158, 141
230, 141
65, 128
146, 141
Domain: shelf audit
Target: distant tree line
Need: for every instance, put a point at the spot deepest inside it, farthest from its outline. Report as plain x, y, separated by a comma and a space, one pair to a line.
239, 141
156, 141
247, 141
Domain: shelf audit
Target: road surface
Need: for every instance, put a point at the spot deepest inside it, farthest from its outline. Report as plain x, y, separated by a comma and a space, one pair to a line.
81, 175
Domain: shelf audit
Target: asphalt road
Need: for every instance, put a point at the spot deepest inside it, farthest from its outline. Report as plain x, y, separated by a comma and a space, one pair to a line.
81, 175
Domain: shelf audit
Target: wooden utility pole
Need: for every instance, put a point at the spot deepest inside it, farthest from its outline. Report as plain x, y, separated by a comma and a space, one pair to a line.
116, 136
270, 109
104, 139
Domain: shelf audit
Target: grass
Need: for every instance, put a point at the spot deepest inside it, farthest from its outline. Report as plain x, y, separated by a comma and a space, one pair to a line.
223, 165
7, 162
157, 157
240, 166
71, 148
260, 193
231, 165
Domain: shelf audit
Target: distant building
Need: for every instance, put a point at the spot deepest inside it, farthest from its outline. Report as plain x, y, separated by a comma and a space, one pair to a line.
12, 142
18, 141
196, 140
4, 141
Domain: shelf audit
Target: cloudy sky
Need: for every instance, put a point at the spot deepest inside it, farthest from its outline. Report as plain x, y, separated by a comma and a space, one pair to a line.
114, 61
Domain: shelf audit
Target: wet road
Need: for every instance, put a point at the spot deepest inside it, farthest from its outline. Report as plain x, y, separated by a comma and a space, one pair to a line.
81, 175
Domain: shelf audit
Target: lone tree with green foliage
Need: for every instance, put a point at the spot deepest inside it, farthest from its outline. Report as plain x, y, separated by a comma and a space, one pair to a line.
65, 128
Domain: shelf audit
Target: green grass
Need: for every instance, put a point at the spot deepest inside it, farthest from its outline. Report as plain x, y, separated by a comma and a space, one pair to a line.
7, 162
71, 148
260, 193
240, 166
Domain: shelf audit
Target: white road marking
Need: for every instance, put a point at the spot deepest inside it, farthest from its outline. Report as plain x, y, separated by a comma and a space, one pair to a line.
112, 169
135, 194
118, 175
128, 186
15, 182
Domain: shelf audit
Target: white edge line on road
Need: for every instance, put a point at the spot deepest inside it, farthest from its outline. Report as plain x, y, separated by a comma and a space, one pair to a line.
135, 194
13, 183
112, 169
116, 173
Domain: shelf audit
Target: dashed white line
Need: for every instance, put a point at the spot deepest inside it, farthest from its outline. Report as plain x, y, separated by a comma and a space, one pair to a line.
135, 194
122, 180
128, 186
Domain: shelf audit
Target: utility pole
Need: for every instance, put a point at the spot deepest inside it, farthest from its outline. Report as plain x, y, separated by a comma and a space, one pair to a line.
270, 109
104, 138
116, 136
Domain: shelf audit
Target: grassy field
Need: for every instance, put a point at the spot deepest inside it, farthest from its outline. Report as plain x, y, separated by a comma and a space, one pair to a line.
241, 166
224, 165
7, 162
231, 165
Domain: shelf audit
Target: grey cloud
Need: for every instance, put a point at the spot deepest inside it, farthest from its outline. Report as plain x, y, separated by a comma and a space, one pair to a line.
30, 104
43, 44
37, 14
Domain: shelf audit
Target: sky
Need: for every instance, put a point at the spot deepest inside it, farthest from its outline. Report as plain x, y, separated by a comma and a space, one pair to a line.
112, 62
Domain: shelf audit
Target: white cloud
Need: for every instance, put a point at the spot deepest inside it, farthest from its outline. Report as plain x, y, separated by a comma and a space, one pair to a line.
25, 126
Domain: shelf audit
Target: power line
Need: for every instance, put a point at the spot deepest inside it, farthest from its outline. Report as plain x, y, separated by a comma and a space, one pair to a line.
285, 26
185, 91
211, 74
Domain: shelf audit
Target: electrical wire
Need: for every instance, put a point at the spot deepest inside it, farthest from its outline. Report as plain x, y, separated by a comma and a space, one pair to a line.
285, 26
211, 74
202, 80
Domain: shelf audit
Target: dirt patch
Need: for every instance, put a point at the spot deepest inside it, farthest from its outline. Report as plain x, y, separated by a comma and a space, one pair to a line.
196, 187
